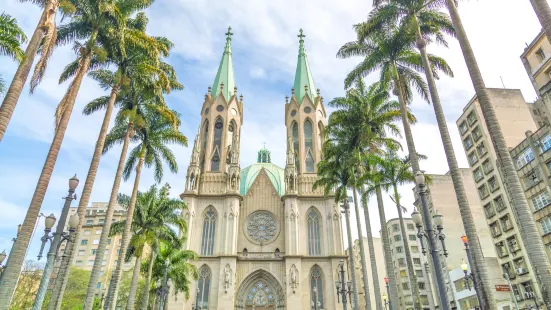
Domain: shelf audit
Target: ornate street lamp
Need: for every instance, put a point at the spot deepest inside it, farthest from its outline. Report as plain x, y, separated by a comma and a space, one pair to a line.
431, 237
388, 293
465, 268
341, 287
385, 299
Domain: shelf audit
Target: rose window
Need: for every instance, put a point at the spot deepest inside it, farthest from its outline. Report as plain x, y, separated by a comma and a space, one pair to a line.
261, 227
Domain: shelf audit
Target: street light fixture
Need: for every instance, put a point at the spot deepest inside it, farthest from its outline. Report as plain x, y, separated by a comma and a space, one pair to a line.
388, 293
431, 236
385, 299
341, 287
465, 266
56, 239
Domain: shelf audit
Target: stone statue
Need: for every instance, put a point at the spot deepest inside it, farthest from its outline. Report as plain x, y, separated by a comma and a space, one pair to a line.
294, 277
227, 277
290, 151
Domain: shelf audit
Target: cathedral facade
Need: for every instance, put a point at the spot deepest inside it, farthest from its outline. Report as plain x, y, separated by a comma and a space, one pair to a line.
266, 238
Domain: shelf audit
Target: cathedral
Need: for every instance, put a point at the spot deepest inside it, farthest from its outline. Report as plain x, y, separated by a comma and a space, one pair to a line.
266, 238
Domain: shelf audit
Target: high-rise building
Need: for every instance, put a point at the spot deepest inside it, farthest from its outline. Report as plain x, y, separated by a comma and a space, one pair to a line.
266, 238
86, 246
515, 118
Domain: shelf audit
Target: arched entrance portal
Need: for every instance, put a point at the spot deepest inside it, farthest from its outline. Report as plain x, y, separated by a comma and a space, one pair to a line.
260, 291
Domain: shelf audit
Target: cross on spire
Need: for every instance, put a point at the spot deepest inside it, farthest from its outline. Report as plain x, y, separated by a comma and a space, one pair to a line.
229, 34
264, 144
301, 35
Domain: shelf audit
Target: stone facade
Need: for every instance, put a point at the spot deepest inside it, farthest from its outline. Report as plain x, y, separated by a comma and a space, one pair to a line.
265, 237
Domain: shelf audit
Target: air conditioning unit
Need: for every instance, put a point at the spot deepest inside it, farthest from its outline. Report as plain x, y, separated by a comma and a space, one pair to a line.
521, 271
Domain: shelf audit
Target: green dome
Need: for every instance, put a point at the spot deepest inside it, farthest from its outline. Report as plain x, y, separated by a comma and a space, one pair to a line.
275, 173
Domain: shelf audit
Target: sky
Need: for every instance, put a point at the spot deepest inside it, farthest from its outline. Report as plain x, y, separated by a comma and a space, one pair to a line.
265, 49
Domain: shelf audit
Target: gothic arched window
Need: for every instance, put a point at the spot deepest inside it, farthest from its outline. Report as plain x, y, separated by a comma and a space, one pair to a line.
314, 222
296, 145
316, 287
320, 136
209, 229
204, 138
309, 146
217, 145
203, 285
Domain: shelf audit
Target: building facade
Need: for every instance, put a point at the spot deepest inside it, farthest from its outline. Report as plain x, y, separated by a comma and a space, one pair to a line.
515, 118
267, 239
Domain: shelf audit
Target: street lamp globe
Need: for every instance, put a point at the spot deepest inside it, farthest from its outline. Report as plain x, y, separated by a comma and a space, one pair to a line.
385, 298
464, 239
438, 219
73, 183
2, 256
416, 217
464, 266
386, 280
49, 221
73, 221
420, 178
338, 285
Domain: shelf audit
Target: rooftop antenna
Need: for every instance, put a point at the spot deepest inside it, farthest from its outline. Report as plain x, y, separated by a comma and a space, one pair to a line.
502, 83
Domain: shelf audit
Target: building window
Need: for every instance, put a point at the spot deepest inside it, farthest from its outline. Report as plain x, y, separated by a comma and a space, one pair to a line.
89, 222
481, 149
473, 159
203, 285
96, 241
84, 242
493, 185
478, 174
494, 229
399, 249
545, 143
487, 166
86, 232
541, 200
405, 286
410, 226
209, 227
506, 223
403, 274
78, 262
412, 238
527, 286
532, 178
546, 225
463, 127
401, 262
524, 158
416, 261
471, 118
296, 145
397, 238
477, 133
395, 227
520, 266
414, 249
217, 145
421, 285
540, 53
513, 244
468, 142
483, 191
98, 231
499, 204
507, 269
316, 283
81, 252
101, 221
108, 241
489, 210
91, 262
94, 251
424, 299
501, 249
314, 243
309, 146
419, 273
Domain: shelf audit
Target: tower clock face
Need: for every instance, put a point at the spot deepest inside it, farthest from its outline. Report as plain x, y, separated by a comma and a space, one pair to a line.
233, 112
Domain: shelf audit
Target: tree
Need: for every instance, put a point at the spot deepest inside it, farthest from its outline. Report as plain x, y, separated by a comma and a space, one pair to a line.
27, 286
155, 219
11, 38
152, 151
89, 20
529, 232
429, 25
365, 114
139, 64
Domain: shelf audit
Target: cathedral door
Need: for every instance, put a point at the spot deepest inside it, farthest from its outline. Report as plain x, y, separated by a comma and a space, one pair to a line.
260, 291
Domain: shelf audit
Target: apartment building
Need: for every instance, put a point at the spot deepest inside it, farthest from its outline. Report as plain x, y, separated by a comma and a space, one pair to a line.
515, 118
86, 246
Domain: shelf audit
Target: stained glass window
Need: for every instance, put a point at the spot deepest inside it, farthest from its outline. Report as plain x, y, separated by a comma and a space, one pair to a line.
203, 285
261, 227
308, 146
316, 287
314, 244
260, 295
216, 145
209, 228
296, 146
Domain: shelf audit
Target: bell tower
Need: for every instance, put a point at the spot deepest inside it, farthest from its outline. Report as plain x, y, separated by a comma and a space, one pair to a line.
305, 119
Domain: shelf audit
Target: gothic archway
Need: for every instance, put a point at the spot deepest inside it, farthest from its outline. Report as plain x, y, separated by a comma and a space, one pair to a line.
260, 291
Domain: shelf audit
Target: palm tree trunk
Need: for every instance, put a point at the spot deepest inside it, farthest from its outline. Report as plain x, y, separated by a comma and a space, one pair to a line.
543, 11
20, 77
374, 273
393, 298
130, 304
409, 261
19, 249
481, 271
145, 301
362, 251
529, 232
87, 192
115, 281
352, 270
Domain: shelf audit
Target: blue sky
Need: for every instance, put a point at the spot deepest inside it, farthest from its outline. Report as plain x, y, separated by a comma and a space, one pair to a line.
265, 48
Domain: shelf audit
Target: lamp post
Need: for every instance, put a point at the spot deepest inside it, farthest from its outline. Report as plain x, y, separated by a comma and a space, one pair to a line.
431, 237
341, 287
513, 297
163, 290
464, 267
346, 211
58, 237
388, 293
385, 300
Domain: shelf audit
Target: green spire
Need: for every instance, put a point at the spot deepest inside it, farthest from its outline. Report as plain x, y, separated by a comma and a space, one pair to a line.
225, 72
303, 75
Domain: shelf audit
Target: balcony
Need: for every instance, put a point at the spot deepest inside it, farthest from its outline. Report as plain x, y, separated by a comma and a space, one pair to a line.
260, 256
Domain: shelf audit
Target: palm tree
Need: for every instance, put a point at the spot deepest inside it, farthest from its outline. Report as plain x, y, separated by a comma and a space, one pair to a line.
335, 174
367, 115
90, 20
11, 38
429, 25
543, 11
529, 232
180, 270
151, 151
136, 64
44, 35
153, 222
